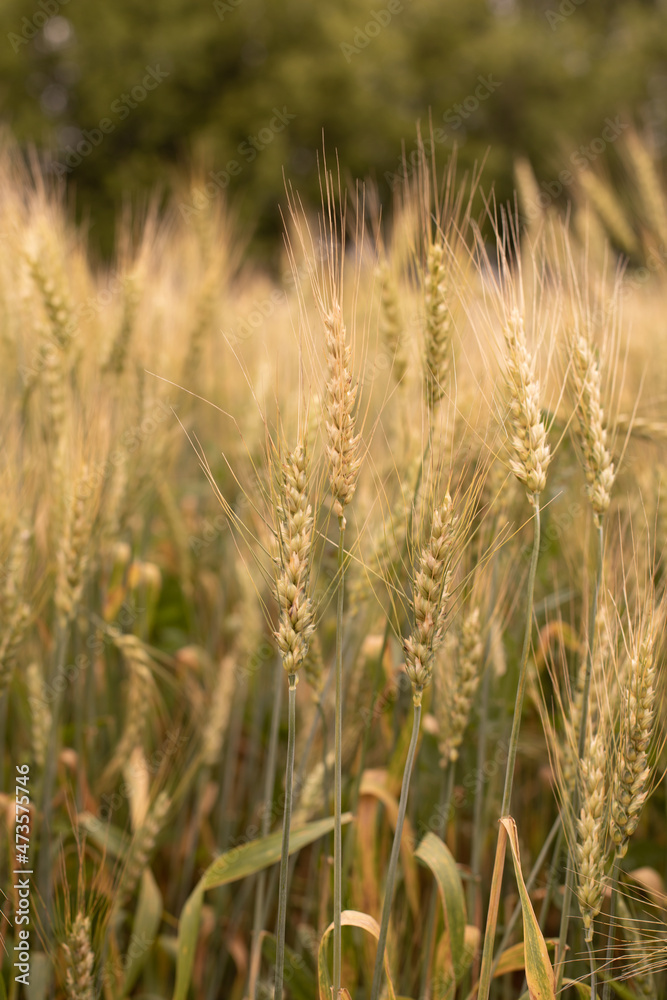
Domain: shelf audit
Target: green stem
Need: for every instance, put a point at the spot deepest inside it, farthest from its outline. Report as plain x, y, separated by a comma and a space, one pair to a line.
377, 678
553, 875
325, 767
581, 746
474, 896
284, 857
49, 776
269, 780
523, 670
606, 992
444, 798
338, 743
492, 916
395, 850
594, 979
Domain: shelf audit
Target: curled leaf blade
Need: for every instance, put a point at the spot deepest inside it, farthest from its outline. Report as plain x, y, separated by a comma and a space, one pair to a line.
539, 972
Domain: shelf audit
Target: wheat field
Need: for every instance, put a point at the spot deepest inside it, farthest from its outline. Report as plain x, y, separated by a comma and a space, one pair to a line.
333, 609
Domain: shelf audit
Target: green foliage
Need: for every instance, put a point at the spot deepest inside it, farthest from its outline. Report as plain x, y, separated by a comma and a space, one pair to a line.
507, 78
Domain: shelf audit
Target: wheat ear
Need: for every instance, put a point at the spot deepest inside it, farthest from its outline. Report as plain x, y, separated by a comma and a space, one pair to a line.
344, 463
631, 773
591, 850
391, 321
431, 593
438, 326
79, 982
139, 692
458, 687
597, 463
142, 847
342, 443
294, 533
531, 453
531, 457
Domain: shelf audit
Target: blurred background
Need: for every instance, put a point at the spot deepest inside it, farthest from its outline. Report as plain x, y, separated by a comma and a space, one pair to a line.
120, 97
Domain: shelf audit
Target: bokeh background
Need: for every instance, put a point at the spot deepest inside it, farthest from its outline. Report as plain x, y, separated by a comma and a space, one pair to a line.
118, 97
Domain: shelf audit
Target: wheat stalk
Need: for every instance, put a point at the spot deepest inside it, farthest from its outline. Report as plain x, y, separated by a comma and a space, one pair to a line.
430, 606
292, 566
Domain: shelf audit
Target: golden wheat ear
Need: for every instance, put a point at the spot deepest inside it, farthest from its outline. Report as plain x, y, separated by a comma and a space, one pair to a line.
80, 959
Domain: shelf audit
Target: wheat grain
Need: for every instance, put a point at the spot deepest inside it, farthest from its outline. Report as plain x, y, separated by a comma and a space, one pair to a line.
343, 443
598, 466
391, 321
294, 531
431, 592
79, 981
630, 785
218, 715
75, 549
142, 847
438, 326
529, 442
591, 851
41, 715
458, 685
139, 692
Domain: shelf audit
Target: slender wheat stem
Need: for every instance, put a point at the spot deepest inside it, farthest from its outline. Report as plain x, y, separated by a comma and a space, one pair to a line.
395, 851
581, 744
523, 669
338, 741
377, 670
630, 781
284, 857
344, 463
492, 916
430, 599
269, 781
292, 565
594, 974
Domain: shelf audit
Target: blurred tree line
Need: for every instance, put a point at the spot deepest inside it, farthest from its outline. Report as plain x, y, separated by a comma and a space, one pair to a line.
119, 95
